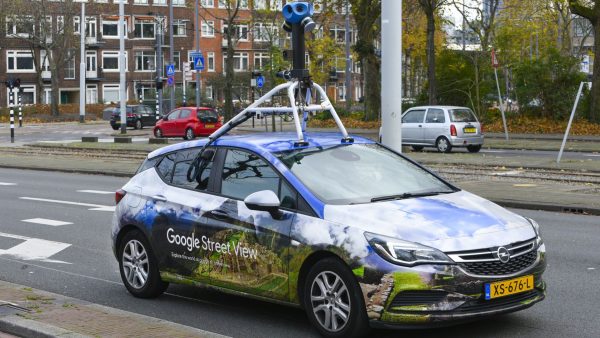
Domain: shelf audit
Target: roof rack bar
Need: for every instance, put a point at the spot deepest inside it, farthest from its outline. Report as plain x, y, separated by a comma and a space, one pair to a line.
327, 105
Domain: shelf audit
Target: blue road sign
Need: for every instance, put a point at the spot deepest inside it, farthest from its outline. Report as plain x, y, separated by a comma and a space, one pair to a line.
260, 81
198, 59
170, 69
170, 81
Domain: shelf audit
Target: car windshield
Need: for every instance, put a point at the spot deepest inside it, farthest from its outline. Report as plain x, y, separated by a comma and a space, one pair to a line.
360, 173
462, 115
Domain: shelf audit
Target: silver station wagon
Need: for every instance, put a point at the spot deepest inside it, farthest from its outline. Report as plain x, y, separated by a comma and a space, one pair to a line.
442, 127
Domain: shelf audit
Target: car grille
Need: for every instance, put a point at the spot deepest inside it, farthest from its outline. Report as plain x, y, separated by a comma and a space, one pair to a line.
485, 262
416, 297
497, 304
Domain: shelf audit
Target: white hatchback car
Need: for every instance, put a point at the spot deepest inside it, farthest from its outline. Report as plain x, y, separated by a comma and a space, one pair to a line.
443, 127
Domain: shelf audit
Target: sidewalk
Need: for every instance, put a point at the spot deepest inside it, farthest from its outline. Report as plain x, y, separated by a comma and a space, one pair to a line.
29, 312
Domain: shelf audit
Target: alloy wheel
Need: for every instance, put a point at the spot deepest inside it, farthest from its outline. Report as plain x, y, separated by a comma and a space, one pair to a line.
330, 301
135, 264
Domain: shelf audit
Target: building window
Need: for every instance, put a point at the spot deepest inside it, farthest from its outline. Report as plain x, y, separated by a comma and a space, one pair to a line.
27, 97
110, 29
582, 26
179, 3
76, 25
208, 3
180, 28
276, 5
160, 2
110, 61
110, 93
264, 32
338, 34
241, 32
222, 3
21, 26
342, 91
240, 62
210, 61
209, 93
176, 60
260, 4
144, 29
140, 2
44, 61
208, 29
145, 61
243, 4
19, 61
90, 26
261, 60
70, 67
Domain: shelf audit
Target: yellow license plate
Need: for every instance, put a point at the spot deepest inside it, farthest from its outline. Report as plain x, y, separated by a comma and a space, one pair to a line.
508, 287
470, 130
210, 126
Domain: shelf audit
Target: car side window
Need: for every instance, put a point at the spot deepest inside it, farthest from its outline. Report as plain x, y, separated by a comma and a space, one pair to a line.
245, 173
288, 196
184, 161
414, 116
435, 116
174, 115
165, 167
185, 113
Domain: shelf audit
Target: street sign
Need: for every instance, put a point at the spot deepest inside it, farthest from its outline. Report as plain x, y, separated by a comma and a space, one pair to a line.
186, 67
170, 81
188, 76
495, 62
170, 69
585, 64
260, 81
198, 59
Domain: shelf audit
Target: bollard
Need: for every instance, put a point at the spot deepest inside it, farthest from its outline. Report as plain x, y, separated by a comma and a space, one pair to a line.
20, 108
12, 115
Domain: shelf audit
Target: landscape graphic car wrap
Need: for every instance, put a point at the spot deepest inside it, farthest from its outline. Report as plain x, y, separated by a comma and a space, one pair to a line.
219, 241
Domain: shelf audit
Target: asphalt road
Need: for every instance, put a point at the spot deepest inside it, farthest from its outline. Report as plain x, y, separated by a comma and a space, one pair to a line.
84, 267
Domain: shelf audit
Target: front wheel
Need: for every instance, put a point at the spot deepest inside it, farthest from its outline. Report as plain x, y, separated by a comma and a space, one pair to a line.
474, 148
333, 300
189, 134
138, 125
158, 133
139, 267
443, 145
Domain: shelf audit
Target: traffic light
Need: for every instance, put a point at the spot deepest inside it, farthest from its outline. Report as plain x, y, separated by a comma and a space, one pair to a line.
160, 82
9, 83
17, 83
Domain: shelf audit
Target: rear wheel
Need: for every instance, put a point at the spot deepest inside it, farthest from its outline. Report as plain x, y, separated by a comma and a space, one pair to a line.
474, 148
189, 134
443, 145
417, 148
138, 124
158, 133
115, 127
333, 300
138, 266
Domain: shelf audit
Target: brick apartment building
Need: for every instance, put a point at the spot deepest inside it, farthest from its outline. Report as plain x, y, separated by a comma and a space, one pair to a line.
142, 20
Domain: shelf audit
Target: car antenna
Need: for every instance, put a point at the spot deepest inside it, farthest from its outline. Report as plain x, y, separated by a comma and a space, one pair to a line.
299, 86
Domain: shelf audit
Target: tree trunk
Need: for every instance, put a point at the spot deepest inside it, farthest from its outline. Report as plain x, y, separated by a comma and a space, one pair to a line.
229, 76
54, 92
372, 88
431, 58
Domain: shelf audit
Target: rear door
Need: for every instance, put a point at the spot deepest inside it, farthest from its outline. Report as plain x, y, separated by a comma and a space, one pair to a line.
147, 116
435, 125
208, 119
465, 122
182, 122
254, 259
412, 126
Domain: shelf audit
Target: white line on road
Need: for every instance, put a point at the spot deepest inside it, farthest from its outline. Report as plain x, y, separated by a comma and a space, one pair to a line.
46, 221
7, 183
593, 155
34, 249
100, 192
94, 207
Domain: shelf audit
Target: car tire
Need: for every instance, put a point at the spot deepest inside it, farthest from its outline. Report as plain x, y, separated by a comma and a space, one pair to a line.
417, 148
139, 266
115, 127
138, 124
331, 293
158, 133
189, 134
474, 148
443, 145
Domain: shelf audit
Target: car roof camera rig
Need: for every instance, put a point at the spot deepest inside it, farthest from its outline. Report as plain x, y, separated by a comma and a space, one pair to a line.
299, 86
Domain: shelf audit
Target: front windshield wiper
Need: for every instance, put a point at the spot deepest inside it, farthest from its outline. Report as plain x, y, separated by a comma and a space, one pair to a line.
408, 195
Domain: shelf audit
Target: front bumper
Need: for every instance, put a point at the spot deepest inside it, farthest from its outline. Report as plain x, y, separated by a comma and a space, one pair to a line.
439, 295
466, 141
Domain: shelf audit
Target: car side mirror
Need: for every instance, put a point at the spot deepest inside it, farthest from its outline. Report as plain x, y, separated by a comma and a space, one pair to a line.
264, 200
165, 118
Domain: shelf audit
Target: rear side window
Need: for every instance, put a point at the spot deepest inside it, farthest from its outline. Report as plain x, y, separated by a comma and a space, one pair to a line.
165, 167
462, 115
147, 164
435, 116
182, 166
414, 116
185, 113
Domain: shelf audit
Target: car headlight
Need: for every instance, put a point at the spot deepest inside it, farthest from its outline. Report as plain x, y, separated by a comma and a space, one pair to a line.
405, 253
536, 228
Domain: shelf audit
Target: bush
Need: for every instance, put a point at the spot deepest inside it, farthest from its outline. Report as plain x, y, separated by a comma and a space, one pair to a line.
42, 113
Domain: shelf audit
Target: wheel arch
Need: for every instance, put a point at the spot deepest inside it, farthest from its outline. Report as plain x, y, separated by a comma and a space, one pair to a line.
125, 230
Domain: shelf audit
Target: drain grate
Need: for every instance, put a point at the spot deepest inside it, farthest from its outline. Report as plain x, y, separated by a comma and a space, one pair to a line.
7, 309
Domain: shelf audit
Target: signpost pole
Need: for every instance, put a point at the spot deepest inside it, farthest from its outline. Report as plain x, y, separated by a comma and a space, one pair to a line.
495, 65
122, 60
197, 51
20, 107
171, 56
564, 141
11, 100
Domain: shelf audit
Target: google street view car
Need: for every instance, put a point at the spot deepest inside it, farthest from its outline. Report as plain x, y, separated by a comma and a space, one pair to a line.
356, 234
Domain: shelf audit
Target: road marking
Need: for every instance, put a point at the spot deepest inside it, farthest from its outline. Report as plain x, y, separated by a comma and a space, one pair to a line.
593, 155
34, 249
100, 192
7, 184
94, 207
46, 221
525, 185
505, 173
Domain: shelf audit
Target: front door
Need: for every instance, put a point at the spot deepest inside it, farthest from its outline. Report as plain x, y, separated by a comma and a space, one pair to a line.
249, 248
435, 125
412, 126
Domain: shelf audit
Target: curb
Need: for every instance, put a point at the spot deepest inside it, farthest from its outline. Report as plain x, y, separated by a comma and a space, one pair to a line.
22, 327
546, 207
71, 171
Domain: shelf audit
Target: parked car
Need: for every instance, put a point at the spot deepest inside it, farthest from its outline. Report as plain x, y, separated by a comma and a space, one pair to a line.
442, 127
353, 232
138, 116
188, 122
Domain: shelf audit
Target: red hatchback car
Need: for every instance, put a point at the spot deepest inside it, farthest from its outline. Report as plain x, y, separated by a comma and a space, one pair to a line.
188, 122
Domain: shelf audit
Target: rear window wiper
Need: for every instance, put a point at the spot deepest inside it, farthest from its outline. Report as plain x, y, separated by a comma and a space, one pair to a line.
408, 195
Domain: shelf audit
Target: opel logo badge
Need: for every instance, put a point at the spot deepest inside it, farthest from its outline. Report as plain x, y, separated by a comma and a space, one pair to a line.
503, 254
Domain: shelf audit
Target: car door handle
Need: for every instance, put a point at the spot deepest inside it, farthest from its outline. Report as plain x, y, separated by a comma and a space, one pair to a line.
160, 198
219, 214
420, 126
